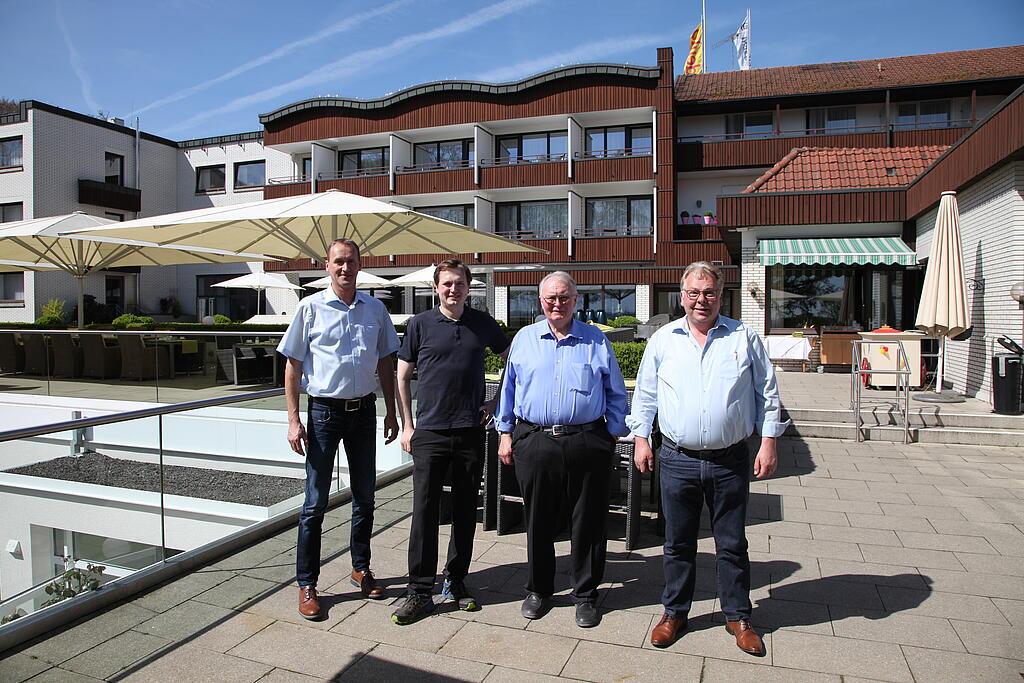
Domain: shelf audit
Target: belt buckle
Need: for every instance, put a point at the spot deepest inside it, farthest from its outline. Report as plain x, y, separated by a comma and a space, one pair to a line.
558, 430
353, 404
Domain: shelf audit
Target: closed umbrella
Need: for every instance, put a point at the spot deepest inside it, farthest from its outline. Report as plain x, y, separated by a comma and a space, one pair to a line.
258, 281
943, 310
42, 243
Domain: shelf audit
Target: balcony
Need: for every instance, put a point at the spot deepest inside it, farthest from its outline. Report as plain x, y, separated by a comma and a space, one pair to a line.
592, 232
613, 165
109, 195
739, 150
523, 171
450, 175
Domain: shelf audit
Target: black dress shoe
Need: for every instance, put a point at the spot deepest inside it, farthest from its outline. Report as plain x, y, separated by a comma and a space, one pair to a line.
587, 615
535, 606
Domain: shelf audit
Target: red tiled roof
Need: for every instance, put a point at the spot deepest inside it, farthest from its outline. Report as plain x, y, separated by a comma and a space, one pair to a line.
807, 79
845, 168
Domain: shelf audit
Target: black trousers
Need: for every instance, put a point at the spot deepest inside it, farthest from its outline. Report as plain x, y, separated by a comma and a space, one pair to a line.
574, 468
434, 452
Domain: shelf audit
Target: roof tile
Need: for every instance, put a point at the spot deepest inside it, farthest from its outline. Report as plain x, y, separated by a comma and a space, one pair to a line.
843, 168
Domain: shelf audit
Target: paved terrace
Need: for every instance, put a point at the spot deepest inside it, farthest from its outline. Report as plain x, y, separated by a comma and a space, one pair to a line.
870, 561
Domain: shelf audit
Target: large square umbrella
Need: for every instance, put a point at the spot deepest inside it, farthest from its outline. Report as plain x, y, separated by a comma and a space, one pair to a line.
40, 243
304, 227
258, 281
943, 311
364, 280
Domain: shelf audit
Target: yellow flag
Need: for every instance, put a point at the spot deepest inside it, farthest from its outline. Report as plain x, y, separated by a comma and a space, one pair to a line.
695, 60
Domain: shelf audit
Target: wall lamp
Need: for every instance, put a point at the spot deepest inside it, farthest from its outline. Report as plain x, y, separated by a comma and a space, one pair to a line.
753, 289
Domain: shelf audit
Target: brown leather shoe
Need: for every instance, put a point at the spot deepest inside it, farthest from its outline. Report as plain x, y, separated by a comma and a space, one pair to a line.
747, 639
309, 602
667, 631
367, 585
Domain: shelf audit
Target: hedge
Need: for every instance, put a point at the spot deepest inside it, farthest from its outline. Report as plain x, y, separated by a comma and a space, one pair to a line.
628, 354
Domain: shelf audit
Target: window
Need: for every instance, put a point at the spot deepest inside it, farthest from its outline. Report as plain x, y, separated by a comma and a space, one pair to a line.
250, 175
534, 220
12, 287
867, 296
307, 167
446, 154
237, 304
618, 141
523, 305
10, 152
934, 114
114, 216
619, 216
113, 173
10, 212
461, 213
832, 120
361, 162
209, 179
532, 147
750, 124
612, 300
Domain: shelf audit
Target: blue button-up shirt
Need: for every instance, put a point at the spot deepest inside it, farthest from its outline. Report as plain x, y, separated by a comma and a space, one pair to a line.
568, 381
339, 345
707, 397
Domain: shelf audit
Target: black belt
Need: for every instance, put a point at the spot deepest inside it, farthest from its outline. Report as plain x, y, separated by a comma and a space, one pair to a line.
562, 430
349, 405
709, 454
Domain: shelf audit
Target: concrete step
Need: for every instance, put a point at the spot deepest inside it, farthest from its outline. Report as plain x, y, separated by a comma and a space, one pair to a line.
1009, 438
847, 431
894, 433
919, 417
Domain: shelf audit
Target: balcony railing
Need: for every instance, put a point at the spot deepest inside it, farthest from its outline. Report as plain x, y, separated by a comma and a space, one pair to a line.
633, 231
109, 195
354, 173
844, 130
288, 180
447, 165
534, 233
528, 159
613, 153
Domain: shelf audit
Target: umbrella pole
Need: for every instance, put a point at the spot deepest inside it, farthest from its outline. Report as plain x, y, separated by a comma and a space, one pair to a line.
81, 300
940, 365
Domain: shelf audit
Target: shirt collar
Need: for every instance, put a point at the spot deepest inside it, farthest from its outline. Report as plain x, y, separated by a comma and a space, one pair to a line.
575, 330
441, 317
728, 324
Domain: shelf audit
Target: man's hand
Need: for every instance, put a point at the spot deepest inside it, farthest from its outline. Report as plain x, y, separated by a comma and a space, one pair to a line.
767, 459
297, 438
643, 456
407, 439
505, 449
390, 428
487, 410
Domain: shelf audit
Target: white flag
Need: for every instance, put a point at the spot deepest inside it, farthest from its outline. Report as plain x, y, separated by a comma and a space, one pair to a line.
741, 39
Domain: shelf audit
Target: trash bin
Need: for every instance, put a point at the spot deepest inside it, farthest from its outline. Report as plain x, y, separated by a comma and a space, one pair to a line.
1006, 378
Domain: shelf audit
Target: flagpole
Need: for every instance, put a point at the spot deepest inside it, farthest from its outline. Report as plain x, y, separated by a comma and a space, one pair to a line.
749, 41
703, 37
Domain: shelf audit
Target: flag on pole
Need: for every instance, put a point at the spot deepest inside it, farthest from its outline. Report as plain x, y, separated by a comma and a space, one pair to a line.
695, 60
741, 39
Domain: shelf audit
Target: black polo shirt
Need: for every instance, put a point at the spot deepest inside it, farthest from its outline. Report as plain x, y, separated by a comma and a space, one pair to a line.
449, 358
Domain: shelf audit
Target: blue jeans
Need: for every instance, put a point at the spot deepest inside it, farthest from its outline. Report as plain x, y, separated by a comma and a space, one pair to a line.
686, 484
329, 424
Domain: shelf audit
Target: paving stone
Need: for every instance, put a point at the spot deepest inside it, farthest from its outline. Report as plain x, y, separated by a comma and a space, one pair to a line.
846, 656
924, 511
185, 620
824, 532
283, 605
501, 674
782, 528
388, 663
817, 517
830, 591
289, 647
1013, 610
770, 614
58, 675
87, 634
20, 666
893, 522
937, 559
620, 627
943, 605
977, 583
935, 665
181, 589
833, 549
837, 483
509, 647
497, 609
193, 664
841, 505
372, 621
899, 628
967, 544
114, 655
285, 676
786, 489
877, 574
253, 555
875, 496
987, 639
231, 631
613, 663
236, 591
992, 564
723, 671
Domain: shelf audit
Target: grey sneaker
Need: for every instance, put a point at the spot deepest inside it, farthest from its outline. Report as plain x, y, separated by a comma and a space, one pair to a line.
413, 608
455, 591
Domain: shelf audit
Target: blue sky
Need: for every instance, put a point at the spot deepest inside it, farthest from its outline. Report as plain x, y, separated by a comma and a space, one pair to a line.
193, 68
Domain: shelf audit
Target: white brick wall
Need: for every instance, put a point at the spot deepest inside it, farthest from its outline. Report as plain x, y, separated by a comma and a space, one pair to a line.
227, 154
752, 272
500, 309
643, 302
16, 186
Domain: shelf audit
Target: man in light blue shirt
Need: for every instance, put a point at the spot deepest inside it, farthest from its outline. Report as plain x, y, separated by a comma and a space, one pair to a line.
710, 382
562, 405
338, 344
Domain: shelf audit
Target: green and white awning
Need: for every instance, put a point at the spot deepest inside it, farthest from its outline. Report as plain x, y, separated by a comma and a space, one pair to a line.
846, 251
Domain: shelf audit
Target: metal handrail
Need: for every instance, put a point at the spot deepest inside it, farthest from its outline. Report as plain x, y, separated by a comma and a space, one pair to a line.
288, 179
613, 153
435, 166
368, 171
902, 373
527, 159
621, 231
808, 132
155, 333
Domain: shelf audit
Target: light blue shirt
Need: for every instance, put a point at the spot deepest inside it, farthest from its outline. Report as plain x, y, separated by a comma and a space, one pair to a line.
706, 398
339, 345
569, 381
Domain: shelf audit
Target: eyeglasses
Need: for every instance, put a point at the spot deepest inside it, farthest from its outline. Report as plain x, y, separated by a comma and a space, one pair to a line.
694, 294
552, 300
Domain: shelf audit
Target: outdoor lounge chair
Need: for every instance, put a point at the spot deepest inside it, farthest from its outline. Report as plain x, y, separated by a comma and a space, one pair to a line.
38, 354
645, 330
139, 361
12, 355
101, 361
67, 356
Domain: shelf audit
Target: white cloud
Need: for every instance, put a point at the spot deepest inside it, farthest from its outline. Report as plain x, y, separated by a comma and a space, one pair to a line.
76, 65
346, 24
359, 62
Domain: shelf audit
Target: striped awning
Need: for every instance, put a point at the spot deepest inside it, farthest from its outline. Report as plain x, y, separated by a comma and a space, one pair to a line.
847, 251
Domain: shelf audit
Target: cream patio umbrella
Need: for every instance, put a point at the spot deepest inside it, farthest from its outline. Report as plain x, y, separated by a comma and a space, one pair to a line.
41, 243
364, 280
424, 277
304, 226
258, 281
943, 310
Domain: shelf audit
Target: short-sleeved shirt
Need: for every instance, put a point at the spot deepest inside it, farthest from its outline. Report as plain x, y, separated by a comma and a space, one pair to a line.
339, 344
449, 358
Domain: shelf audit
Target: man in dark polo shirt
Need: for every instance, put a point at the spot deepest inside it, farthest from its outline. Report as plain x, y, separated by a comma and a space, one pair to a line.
445, 345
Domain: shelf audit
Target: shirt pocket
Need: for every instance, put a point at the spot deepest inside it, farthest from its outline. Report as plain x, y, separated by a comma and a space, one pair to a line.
581, 378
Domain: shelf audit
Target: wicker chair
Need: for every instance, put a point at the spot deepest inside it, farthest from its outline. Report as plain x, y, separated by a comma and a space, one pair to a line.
12, 354
101, 361
140, 362
67, 356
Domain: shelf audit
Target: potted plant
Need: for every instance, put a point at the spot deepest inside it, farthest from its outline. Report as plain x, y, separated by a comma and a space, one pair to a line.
684, 217
708, 217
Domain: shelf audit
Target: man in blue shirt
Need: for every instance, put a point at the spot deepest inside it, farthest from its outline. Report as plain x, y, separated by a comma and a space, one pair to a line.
335, 344
711, 384
445, 346
562, 405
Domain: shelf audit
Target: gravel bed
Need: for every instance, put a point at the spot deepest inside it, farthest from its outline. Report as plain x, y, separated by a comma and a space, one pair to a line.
193, 482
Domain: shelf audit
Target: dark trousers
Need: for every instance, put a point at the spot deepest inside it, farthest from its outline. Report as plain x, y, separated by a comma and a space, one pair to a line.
434, 453
574, 468
686, 484
328, 425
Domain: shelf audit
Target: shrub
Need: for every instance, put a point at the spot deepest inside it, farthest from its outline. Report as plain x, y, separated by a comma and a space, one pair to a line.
493, 363
53, 309
629, 355
221, 319
50, 322
131, 320
624, 321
